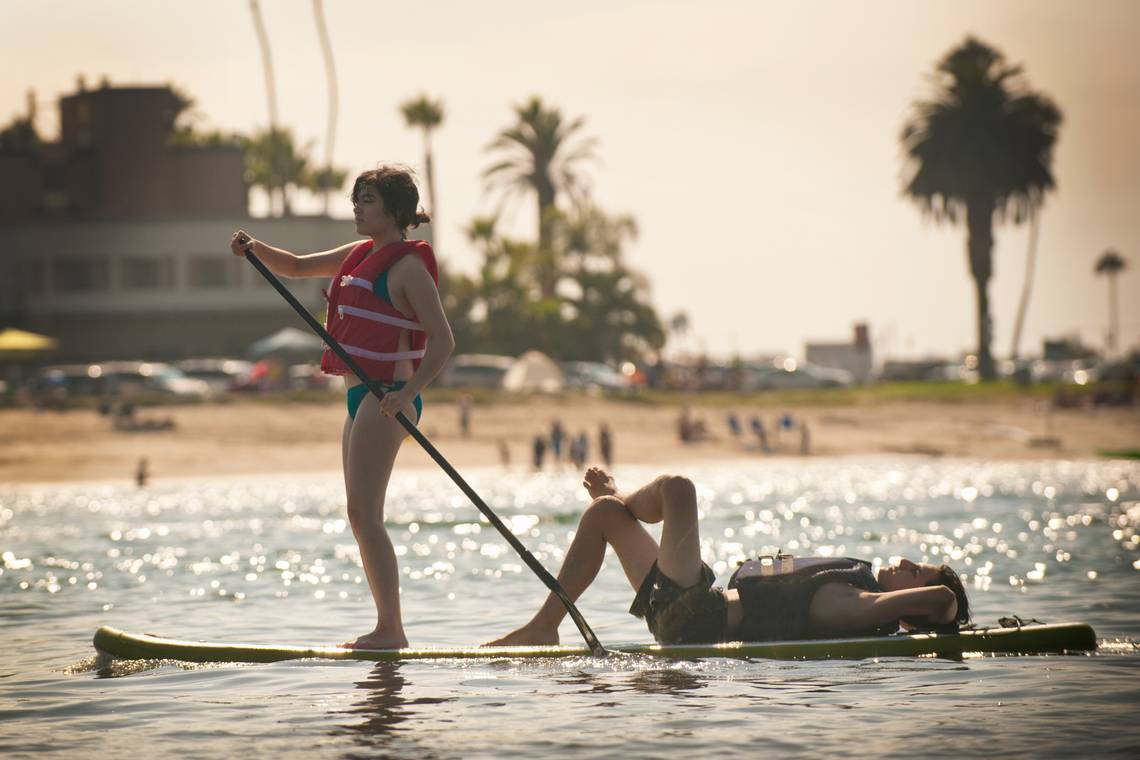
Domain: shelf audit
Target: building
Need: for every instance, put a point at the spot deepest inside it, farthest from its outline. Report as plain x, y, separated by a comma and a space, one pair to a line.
855, 357
115, 241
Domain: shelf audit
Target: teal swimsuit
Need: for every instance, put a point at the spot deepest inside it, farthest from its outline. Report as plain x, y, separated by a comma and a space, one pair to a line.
357, 393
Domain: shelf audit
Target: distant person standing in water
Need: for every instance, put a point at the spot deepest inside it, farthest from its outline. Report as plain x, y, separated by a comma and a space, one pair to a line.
606, 444
384, 309
557, 434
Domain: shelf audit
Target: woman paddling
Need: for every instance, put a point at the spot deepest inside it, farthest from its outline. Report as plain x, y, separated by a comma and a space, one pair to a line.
384, 309
824, 597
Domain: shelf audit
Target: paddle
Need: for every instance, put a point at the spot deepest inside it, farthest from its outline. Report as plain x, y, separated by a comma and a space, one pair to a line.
542, 573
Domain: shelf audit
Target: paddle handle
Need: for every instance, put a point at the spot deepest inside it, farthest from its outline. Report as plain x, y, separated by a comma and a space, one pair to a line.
536, 566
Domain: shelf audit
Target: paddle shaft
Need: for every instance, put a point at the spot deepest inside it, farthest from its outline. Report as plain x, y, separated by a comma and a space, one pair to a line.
542, 573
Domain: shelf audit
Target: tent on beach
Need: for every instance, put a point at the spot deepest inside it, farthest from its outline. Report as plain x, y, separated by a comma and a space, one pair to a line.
533, 371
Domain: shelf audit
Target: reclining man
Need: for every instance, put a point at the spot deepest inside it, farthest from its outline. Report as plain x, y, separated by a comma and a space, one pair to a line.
826, 598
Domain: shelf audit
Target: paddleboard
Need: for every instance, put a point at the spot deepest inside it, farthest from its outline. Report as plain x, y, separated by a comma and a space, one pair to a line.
1061, 638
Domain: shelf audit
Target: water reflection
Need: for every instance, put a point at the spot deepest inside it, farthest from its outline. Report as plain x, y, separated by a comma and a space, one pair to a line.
379, 715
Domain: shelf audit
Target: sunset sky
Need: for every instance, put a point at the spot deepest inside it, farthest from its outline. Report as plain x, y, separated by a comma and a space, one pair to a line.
756, 143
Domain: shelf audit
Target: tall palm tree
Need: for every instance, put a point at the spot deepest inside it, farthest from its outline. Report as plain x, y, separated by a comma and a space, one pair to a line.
983, 144
427, 114
1027, 286
266, 61
1110, 264
541, 155
324, 179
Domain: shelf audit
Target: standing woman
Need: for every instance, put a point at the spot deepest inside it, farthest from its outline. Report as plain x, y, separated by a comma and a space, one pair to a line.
384, 309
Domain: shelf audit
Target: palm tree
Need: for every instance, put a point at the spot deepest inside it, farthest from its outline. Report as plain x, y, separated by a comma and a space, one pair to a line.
1027, 286
1110, 264
274, 162
540, 155
983, 144
427, 114
266, 61
325, 181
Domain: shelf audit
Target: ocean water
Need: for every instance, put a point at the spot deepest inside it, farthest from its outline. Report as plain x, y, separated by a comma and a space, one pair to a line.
271, 559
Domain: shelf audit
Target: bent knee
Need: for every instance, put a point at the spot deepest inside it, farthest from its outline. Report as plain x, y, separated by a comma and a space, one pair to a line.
605, 508
677, 487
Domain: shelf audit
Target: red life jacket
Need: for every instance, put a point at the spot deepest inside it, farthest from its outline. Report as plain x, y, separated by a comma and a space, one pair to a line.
365, 325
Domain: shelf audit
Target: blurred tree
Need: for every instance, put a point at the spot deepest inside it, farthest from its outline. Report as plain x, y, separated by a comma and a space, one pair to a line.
601, 313
427, 114
1111, 264
275, 163
541, 156
266, 61
327, 179
983, 144
1027, 285
19, 136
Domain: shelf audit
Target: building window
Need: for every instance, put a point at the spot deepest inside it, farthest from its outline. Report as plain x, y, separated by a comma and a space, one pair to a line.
80, 274
147, 273
214, 272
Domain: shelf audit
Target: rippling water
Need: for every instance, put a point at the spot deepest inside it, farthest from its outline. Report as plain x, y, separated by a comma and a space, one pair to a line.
272, 560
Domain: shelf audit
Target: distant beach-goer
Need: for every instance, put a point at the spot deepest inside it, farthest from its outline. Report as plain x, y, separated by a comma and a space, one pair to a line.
606, 444
465, 415
142, 473
384, 309
761, 435
539, 448
557, 434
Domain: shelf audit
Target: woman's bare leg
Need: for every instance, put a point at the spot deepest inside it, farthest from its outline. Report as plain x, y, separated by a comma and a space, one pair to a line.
372, 442
605, 521
671, 499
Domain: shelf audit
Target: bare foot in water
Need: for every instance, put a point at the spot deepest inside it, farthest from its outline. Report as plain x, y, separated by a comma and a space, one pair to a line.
528, 635
378, 639
599, 483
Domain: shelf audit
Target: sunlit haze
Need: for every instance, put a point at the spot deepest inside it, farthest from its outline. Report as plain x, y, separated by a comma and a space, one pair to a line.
757, 144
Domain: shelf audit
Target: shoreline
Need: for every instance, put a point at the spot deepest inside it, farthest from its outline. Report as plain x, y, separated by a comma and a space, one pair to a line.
256, 436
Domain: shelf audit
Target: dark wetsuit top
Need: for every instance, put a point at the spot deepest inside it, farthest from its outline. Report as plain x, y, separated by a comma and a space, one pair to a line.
776, 607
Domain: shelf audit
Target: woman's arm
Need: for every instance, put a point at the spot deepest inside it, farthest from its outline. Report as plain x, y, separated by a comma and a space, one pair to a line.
840, 607
417, 287
287, 264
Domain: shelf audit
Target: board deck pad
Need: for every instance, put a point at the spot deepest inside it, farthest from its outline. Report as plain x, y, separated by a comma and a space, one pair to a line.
1059, 638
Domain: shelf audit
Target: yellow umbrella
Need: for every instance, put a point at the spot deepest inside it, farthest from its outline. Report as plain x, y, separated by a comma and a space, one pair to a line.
18, 344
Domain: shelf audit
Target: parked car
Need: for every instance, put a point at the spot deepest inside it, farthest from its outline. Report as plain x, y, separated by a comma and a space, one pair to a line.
593, 375
790, 373
476, 371
222, 375
151, 377
70, 380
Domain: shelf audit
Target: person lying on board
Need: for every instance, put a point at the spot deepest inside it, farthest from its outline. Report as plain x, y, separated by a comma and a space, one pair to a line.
784, 599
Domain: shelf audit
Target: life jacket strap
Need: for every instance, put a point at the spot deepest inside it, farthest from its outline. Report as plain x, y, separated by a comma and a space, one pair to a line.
376, 316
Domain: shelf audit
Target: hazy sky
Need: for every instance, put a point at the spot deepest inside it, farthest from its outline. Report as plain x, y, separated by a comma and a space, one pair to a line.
756, 143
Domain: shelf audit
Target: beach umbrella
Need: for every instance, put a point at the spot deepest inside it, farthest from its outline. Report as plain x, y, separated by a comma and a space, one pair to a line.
20, 344
287, 342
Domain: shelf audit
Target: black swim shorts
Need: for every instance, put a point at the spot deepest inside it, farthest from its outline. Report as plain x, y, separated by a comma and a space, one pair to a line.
679, 615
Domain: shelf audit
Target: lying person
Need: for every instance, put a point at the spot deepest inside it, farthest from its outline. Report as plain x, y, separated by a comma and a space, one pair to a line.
810, 598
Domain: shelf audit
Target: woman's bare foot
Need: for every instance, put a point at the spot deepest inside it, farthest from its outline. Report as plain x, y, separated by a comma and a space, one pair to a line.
599, 483
529, 635
378, 639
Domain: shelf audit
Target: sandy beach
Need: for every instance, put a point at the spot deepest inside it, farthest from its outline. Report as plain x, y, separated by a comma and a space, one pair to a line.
256, 436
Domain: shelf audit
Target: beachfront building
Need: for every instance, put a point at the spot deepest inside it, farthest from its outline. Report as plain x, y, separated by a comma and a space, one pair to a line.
855, 357
116, 242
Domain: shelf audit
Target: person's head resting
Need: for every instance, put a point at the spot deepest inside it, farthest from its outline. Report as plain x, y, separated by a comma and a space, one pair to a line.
386, 199
909, 574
